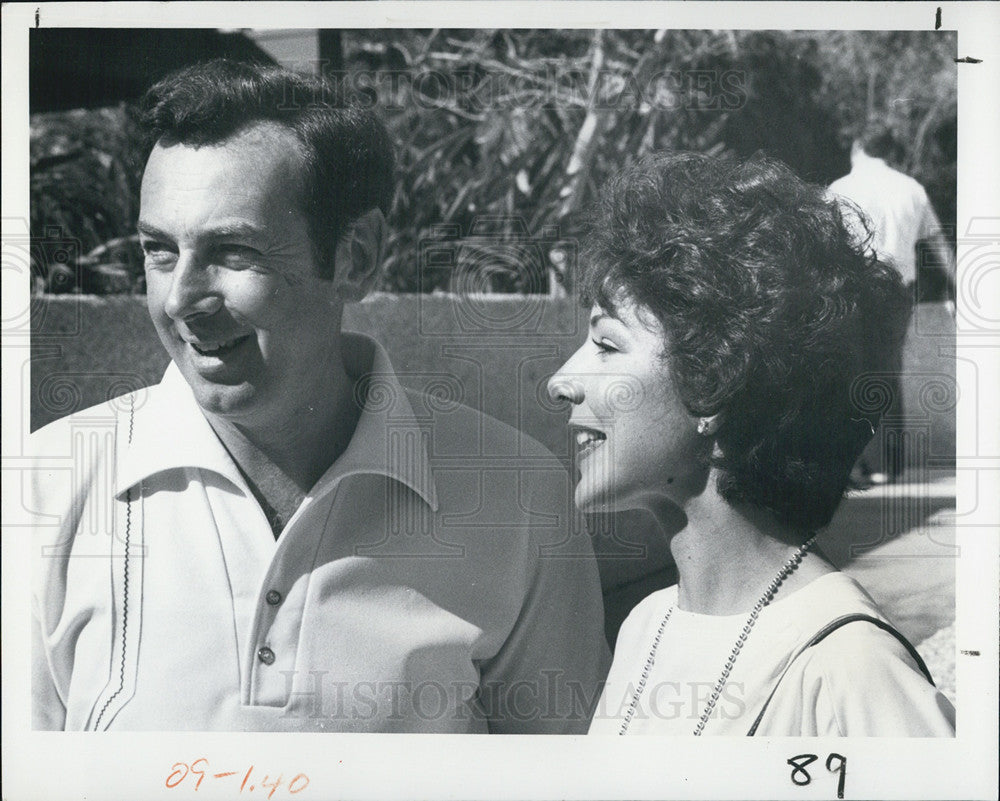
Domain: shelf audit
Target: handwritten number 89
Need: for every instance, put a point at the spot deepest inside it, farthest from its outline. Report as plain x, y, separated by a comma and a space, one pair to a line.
800, 776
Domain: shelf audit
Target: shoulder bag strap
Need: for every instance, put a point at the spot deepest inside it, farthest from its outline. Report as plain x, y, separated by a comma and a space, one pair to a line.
828, 629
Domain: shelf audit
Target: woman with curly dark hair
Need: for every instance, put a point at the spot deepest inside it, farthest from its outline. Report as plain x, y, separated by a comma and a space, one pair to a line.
735, 317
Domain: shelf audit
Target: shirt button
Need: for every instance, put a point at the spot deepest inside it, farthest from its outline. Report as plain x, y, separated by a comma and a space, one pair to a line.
265, 655
273, 597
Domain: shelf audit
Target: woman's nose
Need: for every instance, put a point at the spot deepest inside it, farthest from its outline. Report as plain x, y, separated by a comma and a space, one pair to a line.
563, 387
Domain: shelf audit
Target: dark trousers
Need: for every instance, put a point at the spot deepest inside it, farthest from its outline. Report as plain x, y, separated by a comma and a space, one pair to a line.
886, 452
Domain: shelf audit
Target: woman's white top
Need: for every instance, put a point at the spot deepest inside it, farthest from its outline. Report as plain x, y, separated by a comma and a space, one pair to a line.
859, 681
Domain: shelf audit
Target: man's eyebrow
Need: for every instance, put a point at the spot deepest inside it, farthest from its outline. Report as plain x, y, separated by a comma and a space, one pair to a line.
222, 231
150, 230
235, 229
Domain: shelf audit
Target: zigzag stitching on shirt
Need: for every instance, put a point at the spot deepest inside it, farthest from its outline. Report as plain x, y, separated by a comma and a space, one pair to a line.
128, 532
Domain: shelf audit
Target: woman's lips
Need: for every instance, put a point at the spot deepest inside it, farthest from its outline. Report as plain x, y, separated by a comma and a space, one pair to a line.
587, 441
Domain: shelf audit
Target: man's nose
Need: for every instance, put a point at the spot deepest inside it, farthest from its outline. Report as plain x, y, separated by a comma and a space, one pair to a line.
564, 387
193, 290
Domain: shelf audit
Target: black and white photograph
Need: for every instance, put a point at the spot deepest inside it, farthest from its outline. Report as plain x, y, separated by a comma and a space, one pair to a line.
427, 370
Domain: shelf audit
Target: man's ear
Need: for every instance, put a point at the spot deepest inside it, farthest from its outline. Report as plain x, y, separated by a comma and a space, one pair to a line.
359, 256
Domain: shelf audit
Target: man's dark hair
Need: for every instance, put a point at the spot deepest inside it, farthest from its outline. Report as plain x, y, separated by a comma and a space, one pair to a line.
347, 151
878, 140
773, 311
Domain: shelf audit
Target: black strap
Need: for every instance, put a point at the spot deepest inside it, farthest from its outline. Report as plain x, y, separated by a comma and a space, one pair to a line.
821, 635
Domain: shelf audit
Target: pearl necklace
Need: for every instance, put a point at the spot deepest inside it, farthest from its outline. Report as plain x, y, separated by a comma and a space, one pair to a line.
765, 599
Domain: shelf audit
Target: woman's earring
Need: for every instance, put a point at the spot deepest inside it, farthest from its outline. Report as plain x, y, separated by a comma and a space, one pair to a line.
705, 427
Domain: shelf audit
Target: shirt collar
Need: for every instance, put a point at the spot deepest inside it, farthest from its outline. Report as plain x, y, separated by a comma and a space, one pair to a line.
164, 429
861, 160
388, 440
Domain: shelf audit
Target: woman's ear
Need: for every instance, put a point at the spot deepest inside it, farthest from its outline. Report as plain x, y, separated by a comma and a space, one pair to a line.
359, 256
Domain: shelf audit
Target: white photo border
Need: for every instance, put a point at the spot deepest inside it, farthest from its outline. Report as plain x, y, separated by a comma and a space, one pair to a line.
135, 765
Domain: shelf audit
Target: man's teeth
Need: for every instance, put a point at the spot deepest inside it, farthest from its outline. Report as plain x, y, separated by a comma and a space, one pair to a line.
586, 437
212, 348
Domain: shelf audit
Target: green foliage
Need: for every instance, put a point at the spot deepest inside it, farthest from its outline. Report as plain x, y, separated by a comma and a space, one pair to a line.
504, 137
906, 80
85, 191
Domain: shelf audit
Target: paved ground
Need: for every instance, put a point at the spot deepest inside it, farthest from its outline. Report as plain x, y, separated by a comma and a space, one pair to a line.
898, 542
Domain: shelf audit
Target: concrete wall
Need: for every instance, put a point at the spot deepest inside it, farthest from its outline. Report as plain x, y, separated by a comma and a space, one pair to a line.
492, 353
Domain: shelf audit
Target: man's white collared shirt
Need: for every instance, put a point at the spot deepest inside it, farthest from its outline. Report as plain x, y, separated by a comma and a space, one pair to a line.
897, 207
435, 579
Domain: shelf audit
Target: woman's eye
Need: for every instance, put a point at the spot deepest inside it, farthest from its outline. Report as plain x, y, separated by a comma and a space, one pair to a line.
604, 345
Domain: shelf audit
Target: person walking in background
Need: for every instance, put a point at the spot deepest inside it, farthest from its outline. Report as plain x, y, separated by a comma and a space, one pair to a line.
897, 207
900, 217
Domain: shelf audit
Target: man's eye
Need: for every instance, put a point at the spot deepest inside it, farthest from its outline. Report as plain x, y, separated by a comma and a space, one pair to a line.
604, 346
237, 255
157, 252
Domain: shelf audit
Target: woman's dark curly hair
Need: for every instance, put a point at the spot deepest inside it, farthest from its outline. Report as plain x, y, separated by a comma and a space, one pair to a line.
774, 309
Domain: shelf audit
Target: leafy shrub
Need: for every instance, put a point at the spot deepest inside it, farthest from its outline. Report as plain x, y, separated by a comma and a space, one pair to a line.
513, 131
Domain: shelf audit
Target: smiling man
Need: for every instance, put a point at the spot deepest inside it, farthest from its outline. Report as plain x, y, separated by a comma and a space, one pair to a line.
294, 542
243, 309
